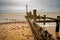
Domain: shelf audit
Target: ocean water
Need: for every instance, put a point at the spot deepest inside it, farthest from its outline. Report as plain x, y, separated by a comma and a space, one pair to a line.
8, 17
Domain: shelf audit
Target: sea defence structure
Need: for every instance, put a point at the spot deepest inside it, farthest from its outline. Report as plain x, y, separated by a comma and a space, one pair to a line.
38, 32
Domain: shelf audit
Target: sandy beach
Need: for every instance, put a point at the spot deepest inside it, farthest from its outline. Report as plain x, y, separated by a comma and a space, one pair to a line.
19, 31
15, 31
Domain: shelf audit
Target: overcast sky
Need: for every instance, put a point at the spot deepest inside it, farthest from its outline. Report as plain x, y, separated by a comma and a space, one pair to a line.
40, 5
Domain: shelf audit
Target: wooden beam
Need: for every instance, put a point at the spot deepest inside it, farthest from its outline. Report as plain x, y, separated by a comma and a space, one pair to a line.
57, 28
37, 17
46, 21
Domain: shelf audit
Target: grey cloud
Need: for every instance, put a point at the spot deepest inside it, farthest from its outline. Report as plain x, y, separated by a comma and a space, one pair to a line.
11, 3
43, 5
48, 3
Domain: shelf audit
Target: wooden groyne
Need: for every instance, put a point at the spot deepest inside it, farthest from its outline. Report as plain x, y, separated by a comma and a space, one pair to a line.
38, 32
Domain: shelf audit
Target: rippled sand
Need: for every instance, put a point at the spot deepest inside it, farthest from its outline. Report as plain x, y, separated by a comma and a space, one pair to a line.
15, 31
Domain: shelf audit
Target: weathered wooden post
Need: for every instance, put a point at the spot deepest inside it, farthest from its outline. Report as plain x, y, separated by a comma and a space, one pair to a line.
57, 27
34, 16
27, 10
44, 19
30, 14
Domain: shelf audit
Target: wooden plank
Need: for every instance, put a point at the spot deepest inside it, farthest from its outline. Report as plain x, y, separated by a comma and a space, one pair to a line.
46, 21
